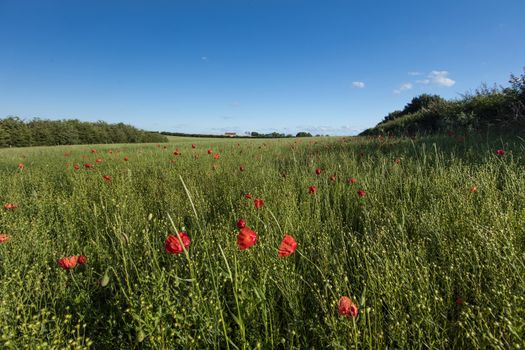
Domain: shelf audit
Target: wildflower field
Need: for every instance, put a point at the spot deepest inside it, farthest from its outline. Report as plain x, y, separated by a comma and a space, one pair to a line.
314, 243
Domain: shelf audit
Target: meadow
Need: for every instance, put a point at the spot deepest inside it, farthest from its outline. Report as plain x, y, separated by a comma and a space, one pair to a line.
425, 236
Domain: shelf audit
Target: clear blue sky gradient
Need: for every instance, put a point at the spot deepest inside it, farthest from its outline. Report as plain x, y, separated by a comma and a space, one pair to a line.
249, 65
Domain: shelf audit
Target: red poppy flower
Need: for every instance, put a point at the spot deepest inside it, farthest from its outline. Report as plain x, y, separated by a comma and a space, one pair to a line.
76, 167
210, 151
500, 152
318, 171
346, 307
193, 145
351, 180
397, 161
246, 238
4, 238
176, 153
241, 223
312, 189
258, 202
165, 147
110, 152
172, 244
93, 151
68, 262
459, 301
248, 196
88, 166
10, 206
473, 189
333, 177
241, 168
216, 156
106, 178
21, 166
126, 158
82, 259
288, 245
99, 160
67, 154
361, 193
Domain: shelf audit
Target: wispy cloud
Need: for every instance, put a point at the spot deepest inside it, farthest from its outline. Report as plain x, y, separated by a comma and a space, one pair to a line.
204, 58
224, 129
403, 87
358, 84
414, 73
330, 130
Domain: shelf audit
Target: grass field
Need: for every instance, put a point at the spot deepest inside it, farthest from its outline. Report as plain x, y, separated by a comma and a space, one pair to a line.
432, 251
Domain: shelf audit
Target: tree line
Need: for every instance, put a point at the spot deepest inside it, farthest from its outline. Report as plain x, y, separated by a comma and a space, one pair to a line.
247, 134
15, 132
496, 108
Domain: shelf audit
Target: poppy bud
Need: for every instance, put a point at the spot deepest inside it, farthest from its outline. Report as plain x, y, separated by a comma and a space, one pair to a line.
241, 224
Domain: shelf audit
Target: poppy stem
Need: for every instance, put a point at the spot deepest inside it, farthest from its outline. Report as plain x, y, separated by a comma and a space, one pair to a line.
74, 280
318, 269
276, 221
191, 202
187, 255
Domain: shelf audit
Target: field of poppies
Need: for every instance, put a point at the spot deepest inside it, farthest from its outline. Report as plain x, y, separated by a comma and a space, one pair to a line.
328, 243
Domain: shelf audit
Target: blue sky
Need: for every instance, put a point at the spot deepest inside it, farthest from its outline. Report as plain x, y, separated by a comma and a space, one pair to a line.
330, 67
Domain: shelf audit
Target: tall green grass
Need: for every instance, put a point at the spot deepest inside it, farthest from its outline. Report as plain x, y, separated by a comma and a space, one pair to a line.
408, 252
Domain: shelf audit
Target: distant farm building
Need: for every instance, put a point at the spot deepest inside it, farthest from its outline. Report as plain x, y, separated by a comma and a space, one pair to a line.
230, 134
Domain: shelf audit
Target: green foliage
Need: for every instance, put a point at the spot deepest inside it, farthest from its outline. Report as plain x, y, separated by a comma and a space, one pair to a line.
417, 104
488, 108
429, 261
15, 132
517, 86
303, 134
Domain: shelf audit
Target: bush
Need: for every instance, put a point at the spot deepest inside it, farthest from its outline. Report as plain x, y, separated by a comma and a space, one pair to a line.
487, 108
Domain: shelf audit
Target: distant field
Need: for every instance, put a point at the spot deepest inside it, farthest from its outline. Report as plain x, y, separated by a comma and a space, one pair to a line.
426, 238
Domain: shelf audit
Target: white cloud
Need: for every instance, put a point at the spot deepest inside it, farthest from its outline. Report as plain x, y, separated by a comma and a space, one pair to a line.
440, 78
424, 81
358, 84
403, 87
414, 73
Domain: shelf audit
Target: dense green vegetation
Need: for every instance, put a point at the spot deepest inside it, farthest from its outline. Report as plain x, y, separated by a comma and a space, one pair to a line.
15, 132
496, 109
431, 250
